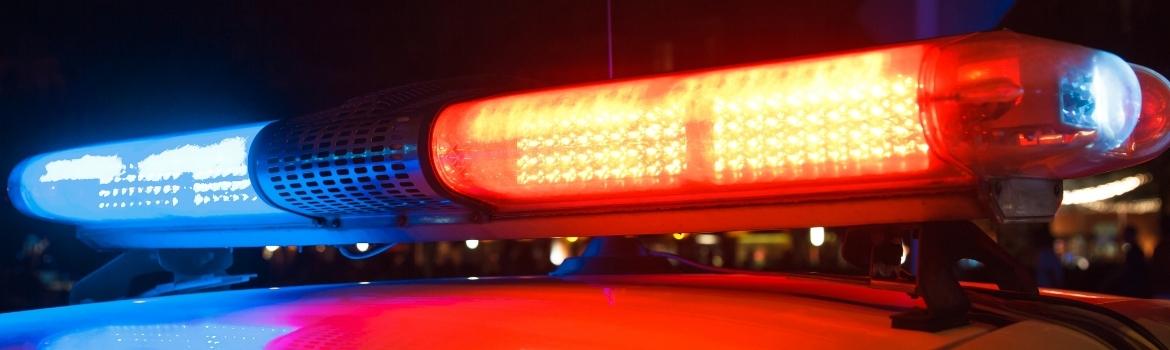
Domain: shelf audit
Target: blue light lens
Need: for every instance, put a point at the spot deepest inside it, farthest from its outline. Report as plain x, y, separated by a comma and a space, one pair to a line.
1103, 96
189, 176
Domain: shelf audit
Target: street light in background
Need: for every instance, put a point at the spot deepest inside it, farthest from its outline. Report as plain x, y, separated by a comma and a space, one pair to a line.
816, 236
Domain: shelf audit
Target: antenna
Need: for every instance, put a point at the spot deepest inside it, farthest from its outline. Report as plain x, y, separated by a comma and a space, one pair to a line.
609, 35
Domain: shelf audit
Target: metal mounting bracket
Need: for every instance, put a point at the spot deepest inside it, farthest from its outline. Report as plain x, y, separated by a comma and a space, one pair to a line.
941, 245
192, 270
932, 274
1020, 200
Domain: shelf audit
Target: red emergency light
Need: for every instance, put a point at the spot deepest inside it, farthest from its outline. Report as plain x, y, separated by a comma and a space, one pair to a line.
917, 117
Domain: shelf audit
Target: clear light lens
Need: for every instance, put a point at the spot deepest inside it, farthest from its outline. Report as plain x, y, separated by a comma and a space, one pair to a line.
1009, 105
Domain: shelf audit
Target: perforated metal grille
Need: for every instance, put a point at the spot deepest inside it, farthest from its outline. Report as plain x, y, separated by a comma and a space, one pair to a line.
360, 159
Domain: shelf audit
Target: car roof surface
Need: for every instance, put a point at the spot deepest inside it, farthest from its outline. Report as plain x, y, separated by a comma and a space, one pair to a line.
683, 311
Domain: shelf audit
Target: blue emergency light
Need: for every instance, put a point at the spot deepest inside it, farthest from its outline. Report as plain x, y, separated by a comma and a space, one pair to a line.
165, 180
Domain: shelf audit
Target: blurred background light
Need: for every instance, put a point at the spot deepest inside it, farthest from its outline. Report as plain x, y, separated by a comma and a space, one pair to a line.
816, 236
707, 239
558, 252
1105, 191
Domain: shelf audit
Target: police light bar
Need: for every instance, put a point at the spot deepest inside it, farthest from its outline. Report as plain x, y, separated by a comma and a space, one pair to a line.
976, 126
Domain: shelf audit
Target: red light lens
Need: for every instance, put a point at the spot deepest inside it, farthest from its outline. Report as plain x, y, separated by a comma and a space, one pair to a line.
917, 117
1150, 136
792, 127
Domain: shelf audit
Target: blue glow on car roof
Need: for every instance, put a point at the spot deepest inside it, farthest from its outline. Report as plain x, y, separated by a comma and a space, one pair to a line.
169, 336
353, 315
219, 310
194, 175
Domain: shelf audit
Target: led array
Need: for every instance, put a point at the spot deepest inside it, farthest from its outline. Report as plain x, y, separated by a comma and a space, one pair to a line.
587, 142
832, 118
161, 173
173, 201
841, 117
645, 147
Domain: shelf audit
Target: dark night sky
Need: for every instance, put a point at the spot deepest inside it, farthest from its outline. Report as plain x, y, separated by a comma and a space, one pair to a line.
85, 72
74, 73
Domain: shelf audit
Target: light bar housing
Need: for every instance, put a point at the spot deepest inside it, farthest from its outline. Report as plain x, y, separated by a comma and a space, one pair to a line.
975, 126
